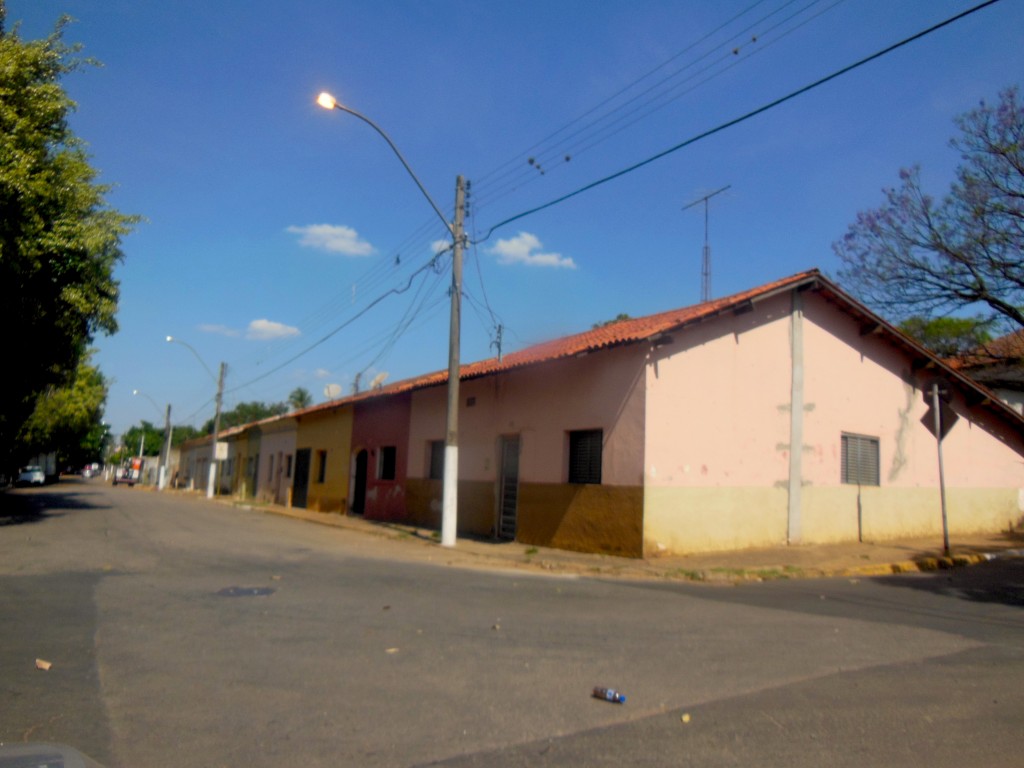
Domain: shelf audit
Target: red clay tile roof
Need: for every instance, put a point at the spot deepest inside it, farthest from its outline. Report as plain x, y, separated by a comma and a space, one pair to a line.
614, 334
641, 329
1005, 349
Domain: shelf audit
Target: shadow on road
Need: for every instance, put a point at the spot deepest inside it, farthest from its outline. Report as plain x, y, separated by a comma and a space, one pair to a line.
998, 581
20, 507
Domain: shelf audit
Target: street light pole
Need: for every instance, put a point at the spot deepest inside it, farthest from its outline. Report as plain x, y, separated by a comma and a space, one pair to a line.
210, 489
450, 485
165, 452
211, 482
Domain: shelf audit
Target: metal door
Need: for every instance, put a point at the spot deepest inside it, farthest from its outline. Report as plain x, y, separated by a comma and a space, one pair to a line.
508, 487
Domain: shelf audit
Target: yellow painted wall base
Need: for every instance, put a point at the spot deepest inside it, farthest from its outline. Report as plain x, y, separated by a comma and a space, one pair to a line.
583, 518
476, 505
831, 514
679, 521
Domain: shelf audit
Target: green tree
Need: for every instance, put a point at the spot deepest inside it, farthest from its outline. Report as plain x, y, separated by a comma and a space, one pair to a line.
59, 240
916, 256
246, 413
67, 419
617, 319
183, 432
948, 336
146, 435
300, 398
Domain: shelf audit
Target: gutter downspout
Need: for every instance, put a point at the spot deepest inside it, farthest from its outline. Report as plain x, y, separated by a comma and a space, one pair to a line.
796, 419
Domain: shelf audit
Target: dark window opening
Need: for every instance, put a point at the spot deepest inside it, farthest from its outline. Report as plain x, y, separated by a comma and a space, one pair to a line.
436, 469
386, 461
585, 456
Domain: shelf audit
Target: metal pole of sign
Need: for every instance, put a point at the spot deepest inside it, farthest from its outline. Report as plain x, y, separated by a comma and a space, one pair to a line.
942, 476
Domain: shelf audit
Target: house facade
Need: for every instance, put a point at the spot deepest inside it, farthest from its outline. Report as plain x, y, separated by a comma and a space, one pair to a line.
380, 455
675, 433
276, 462
784, 414
320, 473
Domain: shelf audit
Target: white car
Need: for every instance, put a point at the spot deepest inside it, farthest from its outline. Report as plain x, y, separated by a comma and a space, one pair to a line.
31, 475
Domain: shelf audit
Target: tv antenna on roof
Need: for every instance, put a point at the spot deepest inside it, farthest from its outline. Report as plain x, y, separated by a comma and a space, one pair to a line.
705, 269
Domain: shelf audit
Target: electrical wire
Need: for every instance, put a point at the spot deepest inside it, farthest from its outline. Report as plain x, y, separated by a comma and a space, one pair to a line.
736, 121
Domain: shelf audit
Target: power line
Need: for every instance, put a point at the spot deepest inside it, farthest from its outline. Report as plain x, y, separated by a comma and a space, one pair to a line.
603, 127
736, 121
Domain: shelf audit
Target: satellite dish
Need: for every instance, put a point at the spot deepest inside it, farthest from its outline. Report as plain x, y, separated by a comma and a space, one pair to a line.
378, 380
332, 391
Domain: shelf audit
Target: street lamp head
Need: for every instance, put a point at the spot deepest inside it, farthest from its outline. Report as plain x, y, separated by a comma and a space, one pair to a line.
326, 101
170, 338
135, 391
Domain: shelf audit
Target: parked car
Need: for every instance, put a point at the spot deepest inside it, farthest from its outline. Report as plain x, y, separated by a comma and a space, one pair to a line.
31, 475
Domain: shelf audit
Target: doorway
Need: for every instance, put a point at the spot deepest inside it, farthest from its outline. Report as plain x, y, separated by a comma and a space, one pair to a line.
508, 487
300, 485
359, 485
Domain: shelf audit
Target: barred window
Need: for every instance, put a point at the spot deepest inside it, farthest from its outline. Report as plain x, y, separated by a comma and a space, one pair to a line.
860, 459
585, 456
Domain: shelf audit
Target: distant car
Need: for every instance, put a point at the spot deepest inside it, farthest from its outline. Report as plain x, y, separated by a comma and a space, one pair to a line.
31, 475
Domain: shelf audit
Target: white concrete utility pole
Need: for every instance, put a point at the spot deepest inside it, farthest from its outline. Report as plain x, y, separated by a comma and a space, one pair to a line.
450, 484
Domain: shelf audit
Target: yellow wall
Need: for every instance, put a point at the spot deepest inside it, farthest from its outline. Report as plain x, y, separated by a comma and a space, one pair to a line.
831, 514
584, 518
475, 507
679, 521
685, 520
331, 432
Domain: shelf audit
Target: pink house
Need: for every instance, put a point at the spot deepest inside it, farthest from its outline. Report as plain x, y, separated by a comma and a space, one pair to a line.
787, 413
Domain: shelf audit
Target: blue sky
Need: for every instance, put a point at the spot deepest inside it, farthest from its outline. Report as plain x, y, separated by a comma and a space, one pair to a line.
272, 223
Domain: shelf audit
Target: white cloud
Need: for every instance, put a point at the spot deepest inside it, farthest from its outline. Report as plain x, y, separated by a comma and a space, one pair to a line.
335, 238
524, 249
266, 330
223, 330
322, 373
440, 246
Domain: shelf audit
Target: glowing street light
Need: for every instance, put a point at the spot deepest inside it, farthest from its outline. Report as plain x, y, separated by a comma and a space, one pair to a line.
450, 487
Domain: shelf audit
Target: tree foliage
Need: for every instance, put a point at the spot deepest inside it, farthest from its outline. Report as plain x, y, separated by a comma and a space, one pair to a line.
300, 398
948, 336
246, 413
617, 319
918, 256
59, 240
68, 419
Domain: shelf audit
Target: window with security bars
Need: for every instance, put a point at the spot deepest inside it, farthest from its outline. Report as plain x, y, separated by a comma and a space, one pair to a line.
860, 459
585, 456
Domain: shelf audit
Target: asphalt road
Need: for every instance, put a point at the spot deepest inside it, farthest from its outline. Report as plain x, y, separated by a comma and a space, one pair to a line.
187, 633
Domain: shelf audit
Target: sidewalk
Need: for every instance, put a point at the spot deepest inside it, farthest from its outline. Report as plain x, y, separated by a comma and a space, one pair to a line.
812, 561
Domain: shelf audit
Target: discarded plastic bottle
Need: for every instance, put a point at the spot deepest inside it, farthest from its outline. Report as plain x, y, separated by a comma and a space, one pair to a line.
609, 694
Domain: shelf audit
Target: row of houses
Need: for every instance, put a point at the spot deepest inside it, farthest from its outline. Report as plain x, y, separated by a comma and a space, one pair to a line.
788, 413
